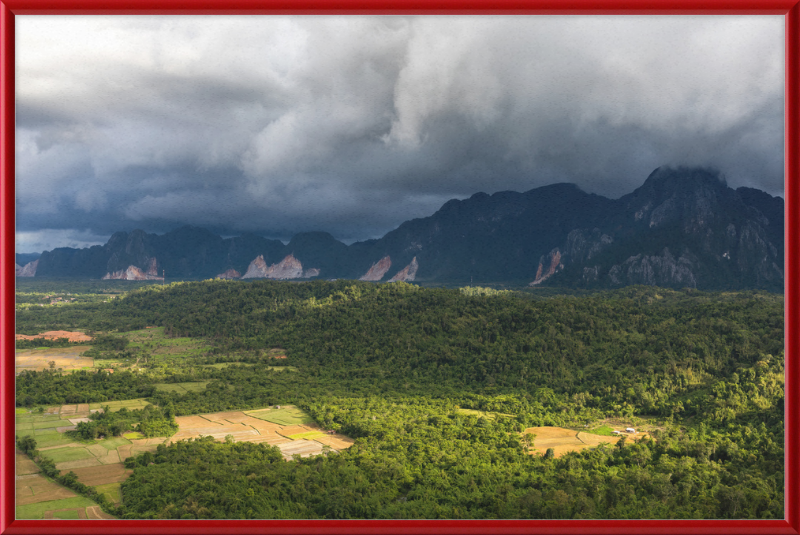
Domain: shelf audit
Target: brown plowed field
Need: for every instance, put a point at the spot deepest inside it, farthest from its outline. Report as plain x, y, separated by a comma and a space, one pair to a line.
101, 475
81, 463
48, 515
24, 465
192, 421
37, 489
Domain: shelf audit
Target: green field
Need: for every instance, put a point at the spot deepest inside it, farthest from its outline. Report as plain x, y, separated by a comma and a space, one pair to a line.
52, 423
602, 430
35, 511
47, 440
289, 416
114, 443
62, 455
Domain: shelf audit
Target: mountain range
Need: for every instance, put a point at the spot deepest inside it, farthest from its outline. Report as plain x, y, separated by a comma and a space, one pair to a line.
684, 227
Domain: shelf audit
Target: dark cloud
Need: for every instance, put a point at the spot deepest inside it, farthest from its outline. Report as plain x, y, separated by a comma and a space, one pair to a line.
277, 125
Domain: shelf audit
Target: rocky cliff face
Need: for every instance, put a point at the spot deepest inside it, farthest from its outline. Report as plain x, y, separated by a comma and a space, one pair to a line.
28, 270
288, 268
257, 269
661, 270
132, 273
378, 270
408, 273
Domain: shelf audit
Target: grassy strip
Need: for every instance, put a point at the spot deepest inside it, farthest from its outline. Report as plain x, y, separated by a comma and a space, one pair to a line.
35, 511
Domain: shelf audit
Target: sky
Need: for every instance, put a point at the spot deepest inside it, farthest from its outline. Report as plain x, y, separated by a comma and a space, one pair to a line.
353, 124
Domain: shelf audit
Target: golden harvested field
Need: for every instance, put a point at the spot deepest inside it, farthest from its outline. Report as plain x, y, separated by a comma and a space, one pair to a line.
336, 441
66, 358
564, 440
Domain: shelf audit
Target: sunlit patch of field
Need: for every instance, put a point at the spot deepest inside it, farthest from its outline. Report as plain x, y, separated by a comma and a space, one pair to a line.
564, 440
287, 415
303, 439
66, 358
72, 508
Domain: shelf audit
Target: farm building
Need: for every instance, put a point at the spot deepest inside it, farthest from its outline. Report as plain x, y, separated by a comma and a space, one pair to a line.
630, 430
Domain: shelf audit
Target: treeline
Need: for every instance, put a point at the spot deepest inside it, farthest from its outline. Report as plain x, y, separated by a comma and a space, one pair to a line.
82, 386
151, 421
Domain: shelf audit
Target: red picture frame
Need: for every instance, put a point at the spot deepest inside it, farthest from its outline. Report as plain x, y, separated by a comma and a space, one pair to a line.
790, 9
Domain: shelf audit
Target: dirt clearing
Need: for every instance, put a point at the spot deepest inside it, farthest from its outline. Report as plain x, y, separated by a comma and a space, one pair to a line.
66, 358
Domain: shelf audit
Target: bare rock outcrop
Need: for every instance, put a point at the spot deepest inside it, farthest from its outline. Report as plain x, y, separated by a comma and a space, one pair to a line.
288, 268
408, 273
152, 267
230, 274
28, 270
133, 273
257, 269
378, 270
548, 266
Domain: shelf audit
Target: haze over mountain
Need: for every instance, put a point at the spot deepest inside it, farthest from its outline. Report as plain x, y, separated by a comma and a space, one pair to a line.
683, 227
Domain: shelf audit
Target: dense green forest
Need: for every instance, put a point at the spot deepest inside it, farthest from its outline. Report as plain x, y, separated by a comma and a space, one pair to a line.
393, 364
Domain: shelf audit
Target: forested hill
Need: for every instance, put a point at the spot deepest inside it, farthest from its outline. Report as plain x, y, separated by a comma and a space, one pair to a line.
640, 346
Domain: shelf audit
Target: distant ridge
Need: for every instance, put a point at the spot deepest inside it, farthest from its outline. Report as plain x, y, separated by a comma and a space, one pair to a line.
684, 227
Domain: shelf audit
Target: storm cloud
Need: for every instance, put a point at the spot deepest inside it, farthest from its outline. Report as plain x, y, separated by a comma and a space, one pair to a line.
351, 124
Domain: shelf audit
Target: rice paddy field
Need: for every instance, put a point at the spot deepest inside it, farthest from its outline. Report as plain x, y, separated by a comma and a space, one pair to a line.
39, 497
288, 428
100, 464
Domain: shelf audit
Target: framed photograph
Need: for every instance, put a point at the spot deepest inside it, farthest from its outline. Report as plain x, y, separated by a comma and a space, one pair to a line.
399, 267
